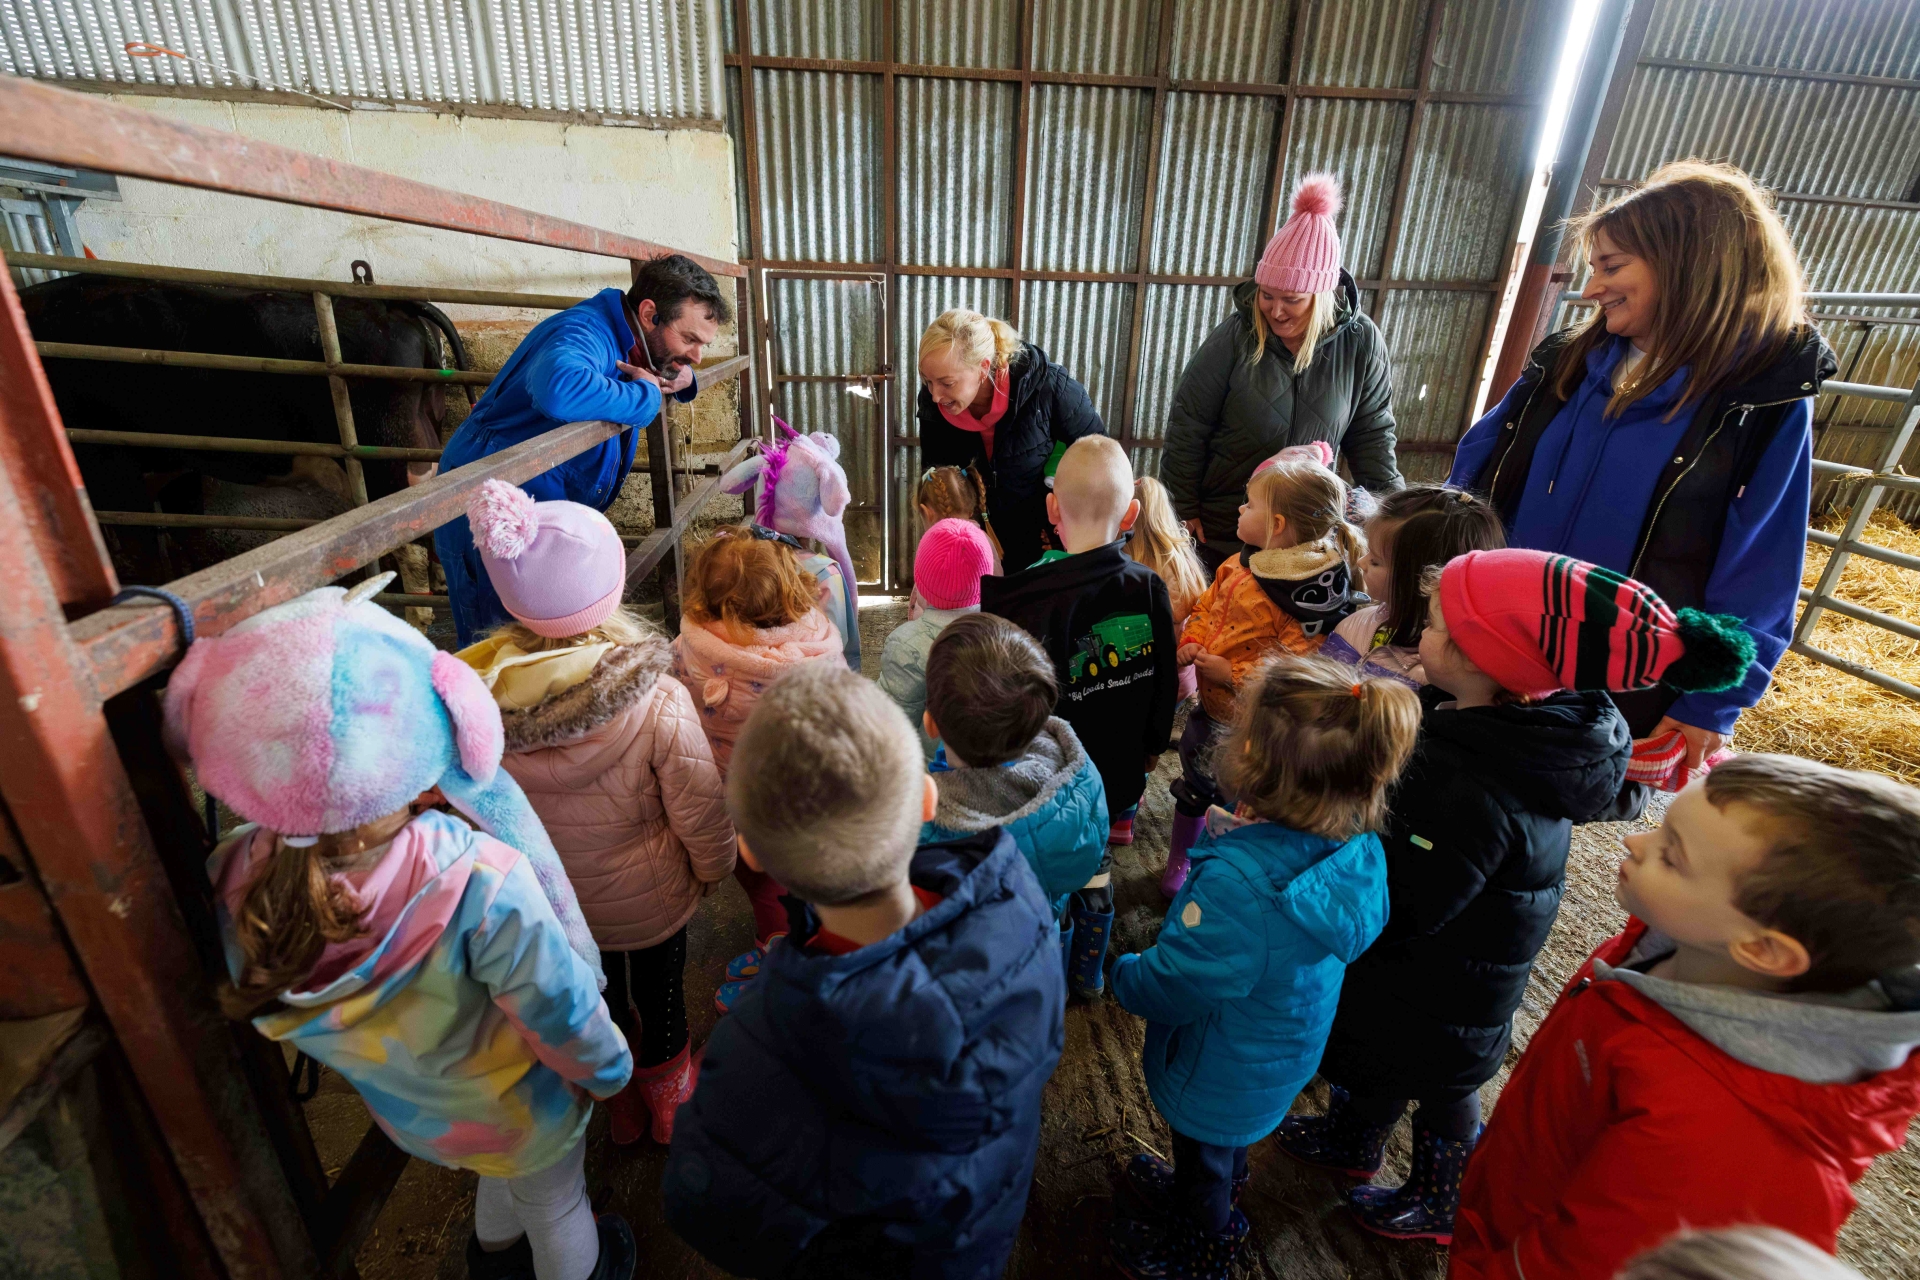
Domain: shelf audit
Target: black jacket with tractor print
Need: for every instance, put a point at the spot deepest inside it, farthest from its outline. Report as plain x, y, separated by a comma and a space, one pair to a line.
1105, 621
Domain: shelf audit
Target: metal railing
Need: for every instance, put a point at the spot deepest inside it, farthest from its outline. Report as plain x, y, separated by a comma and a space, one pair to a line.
1874, 483
349, 452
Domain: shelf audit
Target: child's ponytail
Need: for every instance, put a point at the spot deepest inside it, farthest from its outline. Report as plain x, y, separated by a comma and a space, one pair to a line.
291, 911
1315, 749
1312, 500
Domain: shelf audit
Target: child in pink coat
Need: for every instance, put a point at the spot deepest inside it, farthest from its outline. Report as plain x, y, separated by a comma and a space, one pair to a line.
611, 755
749, 612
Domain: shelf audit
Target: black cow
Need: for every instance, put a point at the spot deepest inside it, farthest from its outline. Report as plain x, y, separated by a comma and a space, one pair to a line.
171, 400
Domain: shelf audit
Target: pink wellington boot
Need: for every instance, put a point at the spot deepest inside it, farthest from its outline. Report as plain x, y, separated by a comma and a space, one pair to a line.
1185, 830
664, 1088
624, 1110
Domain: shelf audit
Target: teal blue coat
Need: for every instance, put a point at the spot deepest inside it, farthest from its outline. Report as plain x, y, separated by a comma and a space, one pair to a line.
1240, 989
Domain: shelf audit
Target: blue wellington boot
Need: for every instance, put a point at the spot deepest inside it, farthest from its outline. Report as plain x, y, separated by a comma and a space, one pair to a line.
1339, 1141
1085, 969
1423, 1208
1178, 1248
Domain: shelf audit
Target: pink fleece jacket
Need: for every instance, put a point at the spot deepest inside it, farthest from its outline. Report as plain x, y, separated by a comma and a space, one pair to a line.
727, 679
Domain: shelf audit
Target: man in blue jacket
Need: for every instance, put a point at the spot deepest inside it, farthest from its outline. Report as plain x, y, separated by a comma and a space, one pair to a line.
609, 358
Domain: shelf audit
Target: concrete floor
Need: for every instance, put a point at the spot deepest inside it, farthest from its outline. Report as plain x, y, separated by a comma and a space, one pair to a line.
1097, 1114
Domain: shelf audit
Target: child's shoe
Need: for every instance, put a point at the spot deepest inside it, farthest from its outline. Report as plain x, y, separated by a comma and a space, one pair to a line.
747, 963
1422, 1209
623, 1108
1086, 977
1339, 1141
1120, 831
1185, 831
617, 1253
663, 1088
1178, 1249
727, 992
515, 1262
1151, 1179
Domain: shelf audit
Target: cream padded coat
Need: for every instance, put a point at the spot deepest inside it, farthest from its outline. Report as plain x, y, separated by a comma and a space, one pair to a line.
620, 772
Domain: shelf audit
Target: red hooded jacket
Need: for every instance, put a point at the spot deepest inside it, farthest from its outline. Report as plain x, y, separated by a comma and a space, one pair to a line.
1621, 1125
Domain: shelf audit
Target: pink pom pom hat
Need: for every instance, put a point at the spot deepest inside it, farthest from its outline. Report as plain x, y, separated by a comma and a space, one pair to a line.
1304, 255
557, 566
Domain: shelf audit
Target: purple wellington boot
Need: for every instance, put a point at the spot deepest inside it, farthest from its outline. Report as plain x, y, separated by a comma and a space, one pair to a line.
1185, 830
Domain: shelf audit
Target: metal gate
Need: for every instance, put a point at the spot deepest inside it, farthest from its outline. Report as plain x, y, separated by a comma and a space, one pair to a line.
1101, 172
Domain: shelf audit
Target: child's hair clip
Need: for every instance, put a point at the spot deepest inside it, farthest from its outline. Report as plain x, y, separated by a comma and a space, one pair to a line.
300, 842
1356, 689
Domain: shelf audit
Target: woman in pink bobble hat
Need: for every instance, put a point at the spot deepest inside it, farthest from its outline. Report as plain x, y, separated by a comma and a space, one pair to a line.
1296, 363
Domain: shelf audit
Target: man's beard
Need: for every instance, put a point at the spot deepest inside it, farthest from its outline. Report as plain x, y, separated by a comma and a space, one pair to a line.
669, 366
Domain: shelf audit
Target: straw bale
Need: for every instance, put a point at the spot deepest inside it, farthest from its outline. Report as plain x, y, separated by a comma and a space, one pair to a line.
1822, 713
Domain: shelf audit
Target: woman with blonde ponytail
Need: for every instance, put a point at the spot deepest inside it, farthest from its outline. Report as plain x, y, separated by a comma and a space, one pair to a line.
1669, 435
990, 400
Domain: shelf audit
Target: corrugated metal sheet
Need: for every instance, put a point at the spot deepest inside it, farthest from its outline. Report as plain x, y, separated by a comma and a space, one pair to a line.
736, 136
917, 300
1083, 327
840, 29
958, 33
1467, 165
1499, 46
1855, 247
823, 325
1213, 183
1087, 166
819, 151
1100, 37
1361, 142
1812, 136
639, 58
1240, 40
1881, 38
1435, 338
955, 138
1371, 43
1178, 319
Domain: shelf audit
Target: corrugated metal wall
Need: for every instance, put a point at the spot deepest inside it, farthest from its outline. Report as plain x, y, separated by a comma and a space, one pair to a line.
1103, 170
623, 58
1819, 100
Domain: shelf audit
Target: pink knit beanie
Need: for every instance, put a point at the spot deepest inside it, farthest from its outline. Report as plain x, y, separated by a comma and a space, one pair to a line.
557, 566
952, 558
1304, 255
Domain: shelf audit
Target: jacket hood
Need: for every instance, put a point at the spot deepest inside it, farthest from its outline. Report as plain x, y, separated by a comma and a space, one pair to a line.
976, 799
1334, 891
1794, 375
915, 996
1347, 295
1820, 1038
618, 681
410, 894
1309, 582
1564, 756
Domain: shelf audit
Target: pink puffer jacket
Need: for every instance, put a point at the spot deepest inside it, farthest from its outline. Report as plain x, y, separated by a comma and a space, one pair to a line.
620, 773
727, 679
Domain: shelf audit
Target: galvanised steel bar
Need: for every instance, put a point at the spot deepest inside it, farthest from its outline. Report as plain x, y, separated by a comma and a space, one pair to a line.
241, 280
1852, 668
654, 548
1860, 613
256, 364
342, 402
225, 444
58, 126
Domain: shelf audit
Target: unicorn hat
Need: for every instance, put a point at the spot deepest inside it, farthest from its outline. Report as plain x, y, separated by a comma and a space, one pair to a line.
802, 492
326, 712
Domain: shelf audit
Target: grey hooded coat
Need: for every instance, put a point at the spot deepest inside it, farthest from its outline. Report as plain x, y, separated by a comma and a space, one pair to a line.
1229, 414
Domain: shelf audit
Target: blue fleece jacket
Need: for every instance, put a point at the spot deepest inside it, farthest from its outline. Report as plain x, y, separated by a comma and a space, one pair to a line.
563, 371
1240, 989
1591, 482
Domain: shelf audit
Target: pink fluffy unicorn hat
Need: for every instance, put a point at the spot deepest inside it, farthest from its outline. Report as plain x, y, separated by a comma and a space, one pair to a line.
802, 493
326, 712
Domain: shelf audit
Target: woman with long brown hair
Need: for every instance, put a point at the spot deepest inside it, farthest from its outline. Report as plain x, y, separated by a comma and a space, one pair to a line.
1668, 437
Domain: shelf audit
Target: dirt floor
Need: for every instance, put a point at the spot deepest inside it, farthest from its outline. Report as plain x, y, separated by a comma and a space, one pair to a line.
1097, 1115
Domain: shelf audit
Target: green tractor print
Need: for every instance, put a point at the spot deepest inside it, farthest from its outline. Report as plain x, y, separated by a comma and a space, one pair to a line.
1111, 642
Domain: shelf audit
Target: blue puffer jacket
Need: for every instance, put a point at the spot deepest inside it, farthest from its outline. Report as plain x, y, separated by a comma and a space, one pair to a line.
1051, 801
1240, 989
878, 1113
563, 371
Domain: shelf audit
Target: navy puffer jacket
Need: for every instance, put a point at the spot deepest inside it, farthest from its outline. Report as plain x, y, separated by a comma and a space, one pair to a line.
1477, 841
878, 1113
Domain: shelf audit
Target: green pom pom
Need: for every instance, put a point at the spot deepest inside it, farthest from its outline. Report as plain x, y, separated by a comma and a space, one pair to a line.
1719, 651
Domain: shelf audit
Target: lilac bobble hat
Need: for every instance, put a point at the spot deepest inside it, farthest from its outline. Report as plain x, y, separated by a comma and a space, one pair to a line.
1304, 255
558, 567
